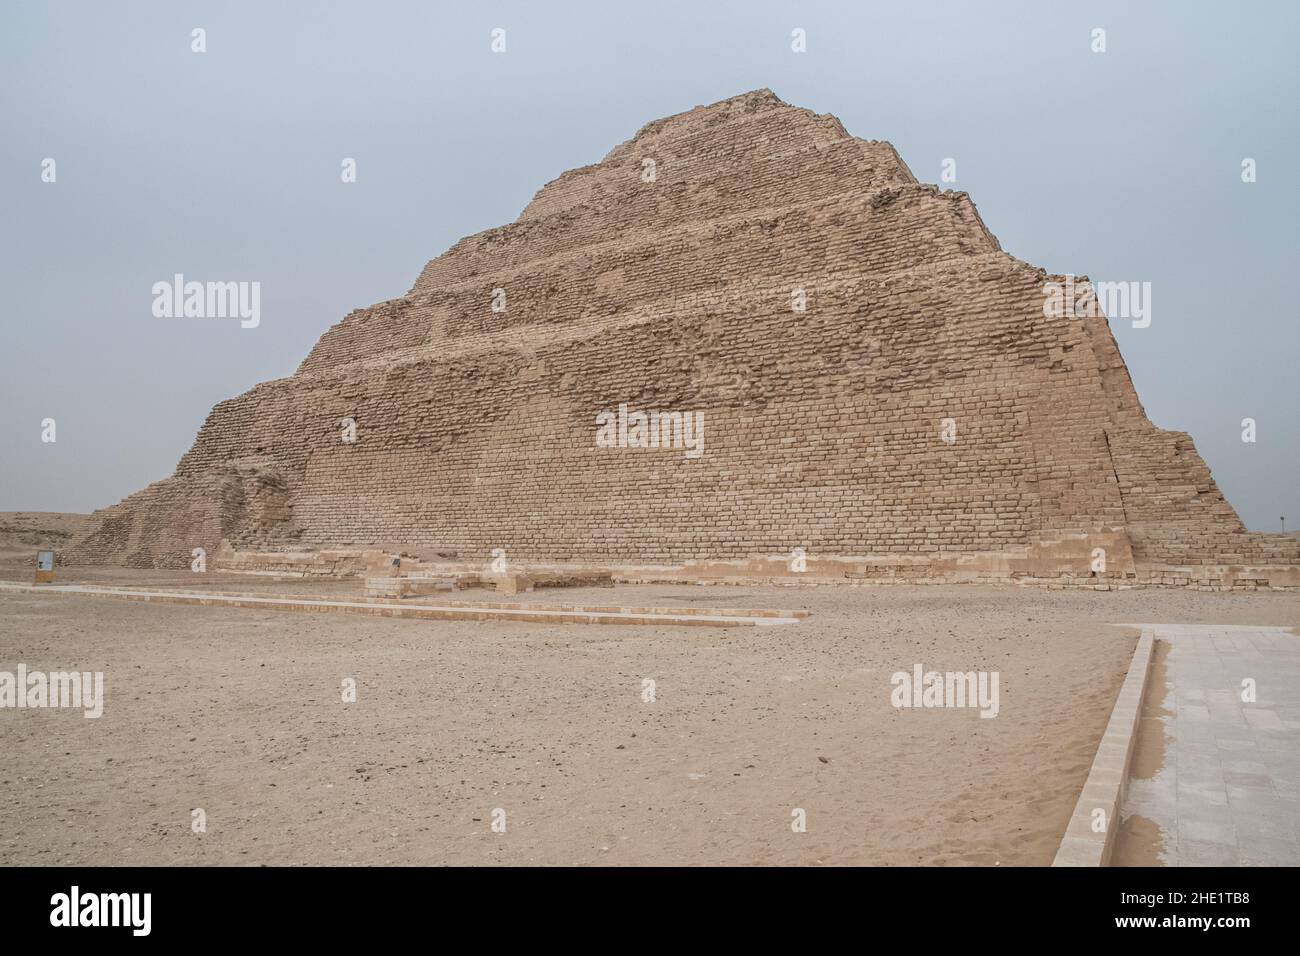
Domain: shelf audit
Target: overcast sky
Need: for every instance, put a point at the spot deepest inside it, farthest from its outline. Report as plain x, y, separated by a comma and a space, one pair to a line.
1123, 165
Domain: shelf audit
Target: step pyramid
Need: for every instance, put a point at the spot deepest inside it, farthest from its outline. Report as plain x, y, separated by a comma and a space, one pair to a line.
876, 385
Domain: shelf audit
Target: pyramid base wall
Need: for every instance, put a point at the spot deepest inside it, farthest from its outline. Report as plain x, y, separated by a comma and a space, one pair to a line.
1067, 560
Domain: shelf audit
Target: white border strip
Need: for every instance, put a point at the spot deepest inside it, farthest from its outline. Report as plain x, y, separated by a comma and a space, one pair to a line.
1090, 837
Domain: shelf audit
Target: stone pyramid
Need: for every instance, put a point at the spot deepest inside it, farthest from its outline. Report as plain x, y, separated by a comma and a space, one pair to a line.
919, 418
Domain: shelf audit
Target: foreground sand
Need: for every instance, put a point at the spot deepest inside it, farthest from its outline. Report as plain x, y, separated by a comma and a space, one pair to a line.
239, 712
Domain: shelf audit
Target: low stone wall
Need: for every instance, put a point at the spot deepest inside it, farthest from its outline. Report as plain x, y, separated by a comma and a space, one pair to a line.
1054, 566
334, 563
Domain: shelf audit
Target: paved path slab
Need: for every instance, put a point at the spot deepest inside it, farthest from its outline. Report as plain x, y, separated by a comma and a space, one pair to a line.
1229, 791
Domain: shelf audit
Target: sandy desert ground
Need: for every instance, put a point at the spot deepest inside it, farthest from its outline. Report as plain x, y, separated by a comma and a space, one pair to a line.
240, 713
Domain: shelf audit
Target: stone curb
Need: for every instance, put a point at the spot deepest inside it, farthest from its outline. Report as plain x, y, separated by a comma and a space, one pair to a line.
491, 605
1082, 844
445, 612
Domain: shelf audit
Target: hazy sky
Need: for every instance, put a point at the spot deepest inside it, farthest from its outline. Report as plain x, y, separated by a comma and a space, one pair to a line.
1124, 165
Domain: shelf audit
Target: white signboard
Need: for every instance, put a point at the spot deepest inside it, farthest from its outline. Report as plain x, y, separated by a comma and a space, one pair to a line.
45, 561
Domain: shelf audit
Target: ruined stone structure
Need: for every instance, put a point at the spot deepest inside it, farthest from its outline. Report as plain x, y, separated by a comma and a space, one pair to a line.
920, 419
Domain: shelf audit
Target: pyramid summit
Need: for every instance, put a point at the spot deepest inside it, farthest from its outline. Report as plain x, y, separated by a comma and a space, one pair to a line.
874, 388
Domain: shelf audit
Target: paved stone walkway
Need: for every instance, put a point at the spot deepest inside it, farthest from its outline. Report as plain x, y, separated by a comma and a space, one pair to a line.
1229, 791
